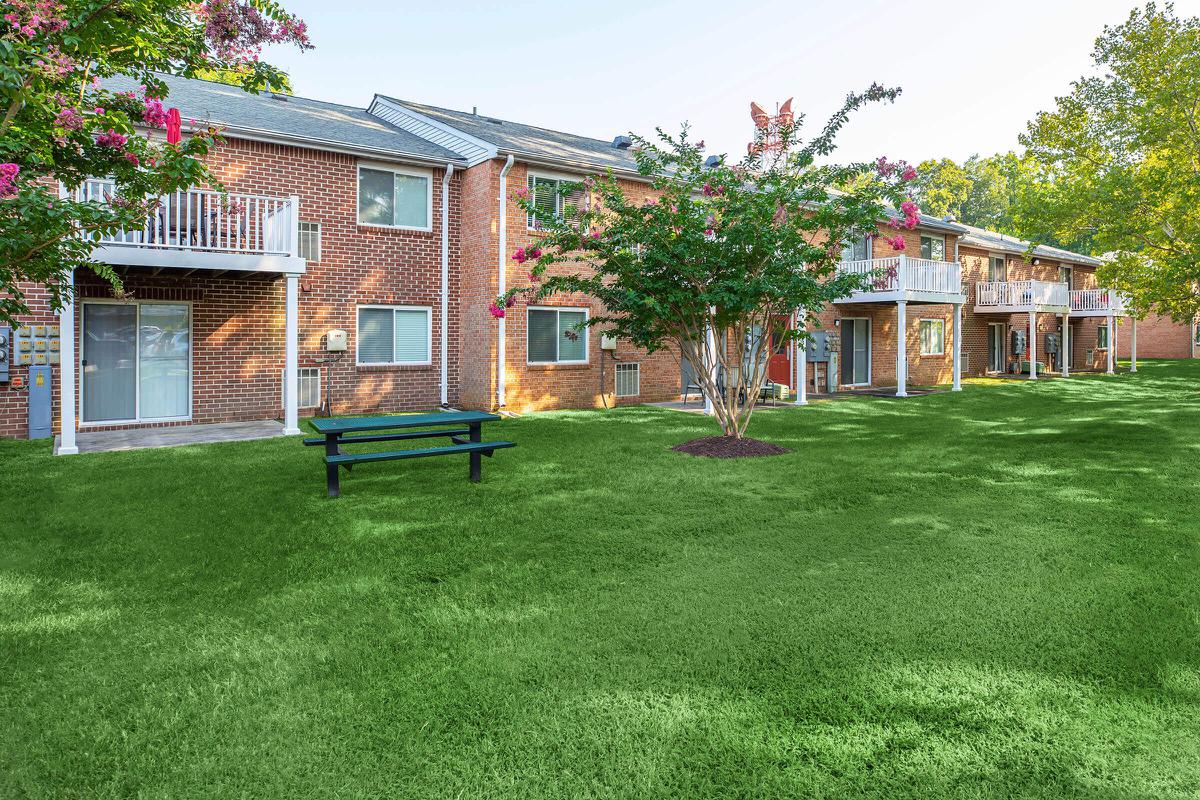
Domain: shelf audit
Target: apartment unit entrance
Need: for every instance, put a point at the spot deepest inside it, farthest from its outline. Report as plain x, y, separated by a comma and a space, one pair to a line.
856, 351
997, 357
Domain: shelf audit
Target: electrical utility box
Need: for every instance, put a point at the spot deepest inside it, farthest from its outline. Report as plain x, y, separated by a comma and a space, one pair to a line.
818, 347
1052, 343
1018, 342
41, 400
608, 342
5, 352
335, 341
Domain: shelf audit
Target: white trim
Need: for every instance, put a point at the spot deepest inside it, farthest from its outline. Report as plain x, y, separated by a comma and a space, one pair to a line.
587, 315
921, 321
412, 172
428, 336
137, 361
637, 377
471, 148
931, 237
299, 378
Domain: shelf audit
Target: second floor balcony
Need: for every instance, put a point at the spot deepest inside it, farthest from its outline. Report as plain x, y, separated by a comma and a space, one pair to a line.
895, 278
1097, 302
203, 229
1016, 297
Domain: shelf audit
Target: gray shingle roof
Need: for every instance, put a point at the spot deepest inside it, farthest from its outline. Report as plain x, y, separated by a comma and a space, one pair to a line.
296, 118
528, 140
1000, 242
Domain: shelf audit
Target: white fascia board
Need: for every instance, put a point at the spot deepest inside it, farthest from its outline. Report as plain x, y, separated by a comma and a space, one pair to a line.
473, 149
182, 258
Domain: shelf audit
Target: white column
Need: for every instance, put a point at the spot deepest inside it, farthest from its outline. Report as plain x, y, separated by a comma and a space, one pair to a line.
1133, 345
1112, 345
801, 360
957, 385
291, 387
66, 376
1031, 347
1065, 344
710, 345
901, 348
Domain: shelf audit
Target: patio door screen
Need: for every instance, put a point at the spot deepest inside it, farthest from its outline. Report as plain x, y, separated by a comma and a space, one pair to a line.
136, 362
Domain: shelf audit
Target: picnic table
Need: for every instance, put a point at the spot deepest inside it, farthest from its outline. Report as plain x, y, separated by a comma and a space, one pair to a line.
463, 428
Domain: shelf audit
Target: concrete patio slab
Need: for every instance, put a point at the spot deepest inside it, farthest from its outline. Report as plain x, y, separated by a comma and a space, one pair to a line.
140, 438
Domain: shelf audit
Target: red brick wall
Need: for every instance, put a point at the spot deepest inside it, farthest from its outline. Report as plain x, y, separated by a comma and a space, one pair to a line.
1158, 337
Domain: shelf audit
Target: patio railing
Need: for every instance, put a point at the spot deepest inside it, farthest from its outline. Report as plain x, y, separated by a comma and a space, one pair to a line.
1097, 300
902, 273
1021, 293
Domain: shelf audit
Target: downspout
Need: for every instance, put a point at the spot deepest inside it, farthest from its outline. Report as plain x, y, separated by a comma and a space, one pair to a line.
501, 283
446, 285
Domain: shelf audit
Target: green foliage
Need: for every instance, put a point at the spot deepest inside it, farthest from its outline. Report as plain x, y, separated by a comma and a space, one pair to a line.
60, 125
729, 248
985, 191
1120, 160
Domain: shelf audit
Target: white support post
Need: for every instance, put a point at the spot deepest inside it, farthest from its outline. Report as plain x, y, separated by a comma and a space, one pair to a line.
801, 360
1031, 346
1112, 345
957, 385
1133, 345
1066, 346
710, 344
901, 348
291, 372
66, 375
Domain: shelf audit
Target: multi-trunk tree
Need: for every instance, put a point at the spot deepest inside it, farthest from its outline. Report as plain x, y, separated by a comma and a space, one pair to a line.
60, 124
722, 254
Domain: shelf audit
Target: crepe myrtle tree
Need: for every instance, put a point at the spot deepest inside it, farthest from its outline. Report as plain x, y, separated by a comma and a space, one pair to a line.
60, 124
723, 253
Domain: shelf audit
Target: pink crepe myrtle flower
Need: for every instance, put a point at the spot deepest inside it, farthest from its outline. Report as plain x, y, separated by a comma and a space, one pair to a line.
909, 174
522, 193
908, 207
709, 232
520, 256
534, 278
884, 167
496, 311
69, 119
897, 242
535, 252
8, 179
153, 114
595, 235
132, 158
98, 111
112, 140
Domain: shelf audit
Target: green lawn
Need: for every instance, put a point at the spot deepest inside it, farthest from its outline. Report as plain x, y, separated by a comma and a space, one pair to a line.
987, 594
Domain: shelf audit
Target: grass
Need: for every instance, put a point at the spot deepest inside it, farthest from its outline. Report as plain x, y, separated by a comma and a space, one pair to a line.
987, 594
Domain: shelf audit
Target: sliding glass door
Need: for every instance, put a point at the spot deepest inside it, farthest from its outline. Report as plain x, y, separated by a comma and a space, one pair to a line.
136, 362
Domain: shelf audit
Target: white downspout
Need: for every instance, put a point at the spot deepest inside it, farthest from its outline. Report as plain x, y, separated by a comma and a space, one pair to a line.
501, 282
446, 285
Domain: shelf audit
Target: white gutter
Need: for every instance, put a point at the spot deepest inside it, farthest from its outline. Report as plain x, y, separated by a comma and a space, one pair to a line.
446, 284
501, 283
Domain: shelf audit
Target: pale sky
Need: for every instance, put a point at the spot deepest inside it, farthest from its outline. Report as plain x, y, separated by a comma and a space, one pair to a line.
972, 74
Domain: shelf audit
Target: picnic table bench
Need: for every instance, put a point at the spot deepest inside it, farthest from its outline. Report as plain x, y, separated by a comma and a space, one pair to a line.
463, 428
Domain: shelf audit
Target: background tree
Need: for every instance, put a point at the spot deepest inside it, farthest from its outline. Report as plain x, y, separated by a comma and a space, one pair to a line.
1119, 158
729, 249
60, 124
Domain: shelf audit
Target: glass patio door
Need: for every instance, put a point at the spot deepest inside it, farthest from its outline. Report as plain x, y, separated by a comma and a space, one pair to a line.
136, 362
856, 351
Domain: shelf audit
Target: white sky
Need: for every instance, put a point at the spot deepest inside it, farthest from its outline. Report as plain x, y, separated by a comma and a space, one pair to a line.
973, 73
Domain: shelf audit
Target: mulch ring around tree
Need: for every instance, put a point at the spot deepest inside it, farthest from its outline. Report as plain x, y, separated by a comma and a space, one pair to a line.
729, 447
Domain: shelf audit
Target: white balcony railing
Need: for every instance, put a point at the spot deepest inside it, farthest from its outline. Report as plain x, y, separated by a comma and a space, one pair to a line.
1097, 301
1026, 294
902, 273
201, 219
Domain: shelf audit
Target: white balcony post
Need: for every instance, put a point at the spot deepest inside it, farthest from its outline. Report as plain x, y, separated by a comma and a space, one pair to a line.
1112, 345
291, 389
1066, 345
957, 384
710, 344
1133, 345
66, 375
901, 345
1031, 347
801, 360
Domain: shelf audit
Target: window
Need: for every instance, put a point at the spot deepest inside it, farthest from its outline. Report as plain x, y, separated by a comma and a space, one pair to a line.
857, 249
1196, 333
933, 248
629, 380
395, 198
1064, 274
997, 268
310, 241
547, 197
554, 336
1102, 337
394, 334
933, 337
308, 381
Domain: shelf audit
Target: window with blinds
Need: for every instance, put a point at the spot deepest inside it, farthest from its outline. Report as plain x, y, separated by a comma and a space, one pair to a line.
933, 337
394, 198
394, 335
629, 380
933, 248
556, 336
310, 241
547, 197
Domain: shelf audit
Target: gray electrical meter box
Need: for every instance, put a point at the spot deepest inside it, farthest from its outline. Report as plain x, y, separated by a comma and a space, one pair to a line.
818, 347
1018, 342
41, 398
5, 352
1051, 342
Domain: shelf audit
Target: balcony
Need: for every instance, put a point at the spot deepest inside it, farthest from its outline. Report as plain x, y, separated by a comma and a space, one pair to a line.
1097, 303
201, 229
1018, 297
901, 278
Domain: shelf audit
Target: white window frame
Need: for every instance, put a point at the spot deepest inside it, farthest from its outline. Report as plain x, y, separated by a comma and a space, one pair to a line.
920, 323
559, 178
428, 336
300, 379
1196, 333
637, 372
300, 233
1100, 328
865, 239
587, 345
416, 172
932, 238
1066, 274
1003, 259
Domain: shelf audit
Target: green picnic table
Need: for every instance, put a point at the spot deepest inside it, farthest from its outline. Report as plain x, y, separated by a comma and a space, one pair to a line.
463, 428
